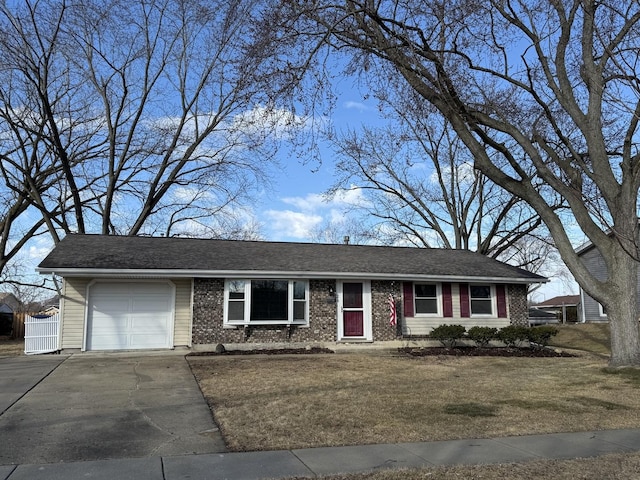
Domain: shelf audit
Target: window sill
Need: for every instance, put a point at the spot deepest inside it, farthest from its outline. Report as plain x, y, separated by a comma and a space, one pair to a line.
263, 324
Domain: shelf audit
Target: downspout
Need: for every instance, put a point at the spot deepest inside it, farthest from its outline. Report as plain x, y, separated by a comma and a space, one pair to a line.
584, 318
56, 284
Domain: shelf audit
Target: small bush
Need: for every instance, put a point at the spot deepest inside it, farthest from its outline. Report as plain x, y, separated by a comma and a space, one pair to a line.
482, 335
448, 335
512, 335
540, 336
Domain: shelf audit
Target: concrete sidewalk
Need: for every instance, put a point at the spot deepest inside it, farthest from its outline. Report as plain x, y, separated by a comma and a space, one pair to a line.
314, 462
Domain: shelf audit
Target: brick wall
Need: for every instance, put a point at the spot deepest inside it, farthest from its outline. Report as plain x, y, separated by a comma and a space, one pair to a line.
518, 307
380, 291
208, 316
208, 297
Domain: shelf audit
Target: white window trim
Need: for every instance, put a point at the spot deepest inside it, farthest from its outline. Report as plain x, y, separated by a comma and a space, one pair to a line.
494, 301
247, 305
601, 311
438, 300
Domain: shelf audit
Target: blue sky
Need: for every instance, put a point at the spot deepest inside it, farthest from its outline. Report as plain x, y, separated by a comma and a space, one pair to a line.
295, 204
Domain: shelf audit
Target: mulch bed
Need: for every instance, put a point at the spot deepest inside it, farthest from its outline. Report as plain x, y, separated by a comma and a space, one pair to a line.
410, 351
483, 352
265, 351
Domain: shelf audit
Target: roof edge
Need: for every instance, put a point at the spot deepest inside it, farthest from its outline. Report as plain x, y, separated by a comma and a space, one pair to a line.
249, 274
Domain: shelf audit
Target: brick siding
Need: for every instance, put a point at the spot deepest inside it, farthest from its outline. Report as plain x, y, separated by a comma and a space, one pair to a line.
518, 307
208, 314
380, 291
208, 317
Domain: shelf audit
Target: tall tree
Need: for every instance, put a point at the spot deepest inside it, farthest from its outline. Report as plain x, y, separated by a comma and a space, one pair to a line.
544, 94
131, 116
421, 184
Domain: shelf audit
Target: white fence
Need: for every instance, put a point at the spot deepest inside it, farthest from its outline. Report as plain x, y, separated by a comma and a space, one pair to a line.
41, 334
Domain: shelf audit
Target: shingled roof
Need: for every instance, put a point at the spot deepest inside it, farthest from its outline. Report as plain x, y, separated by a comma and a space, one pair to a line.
86, 255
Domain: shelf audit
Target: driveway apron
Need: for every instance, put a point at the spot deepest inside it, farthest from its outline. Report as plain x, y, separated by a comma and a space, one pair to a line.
95, 407
18, 375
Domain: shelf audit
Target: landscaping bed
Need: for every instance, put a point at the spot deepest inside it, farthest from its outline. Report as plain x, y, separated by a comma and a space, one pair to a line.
463, 351
265, 351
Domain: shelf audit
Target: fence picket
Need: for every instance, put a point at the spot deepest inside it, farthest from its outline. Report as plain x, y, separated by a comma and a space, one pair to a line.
41, 334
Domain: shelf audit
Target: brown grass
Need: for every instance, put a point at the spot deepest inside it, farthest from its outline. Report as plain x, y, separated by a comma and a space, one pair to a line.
268, 402
11, 348
591, 337
609, 467
332, 401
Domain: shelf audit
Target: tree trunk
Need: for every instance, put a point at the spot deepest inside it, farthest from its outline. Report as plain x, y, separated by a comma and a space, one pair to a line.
622, 311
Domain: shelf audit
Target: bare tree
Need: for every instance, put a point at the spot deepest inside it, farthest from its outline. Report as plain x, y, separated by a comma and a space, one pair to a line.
421, 184
545, 96
132, 116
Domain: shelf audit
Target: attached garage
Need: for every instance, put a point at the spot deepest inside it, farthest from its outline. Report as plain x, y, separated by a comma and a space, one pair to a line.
130, 315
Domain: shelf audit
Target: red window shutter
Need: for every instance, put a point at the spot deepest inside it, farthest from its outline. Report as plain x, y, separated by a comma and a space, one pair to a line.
447, 303
464, 300
502, 301
407, 288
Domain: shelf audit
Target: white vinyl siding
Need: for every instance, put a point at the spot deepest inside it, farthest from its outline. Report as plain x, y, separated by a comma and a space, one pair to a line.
421, 326
182, 325
73, 307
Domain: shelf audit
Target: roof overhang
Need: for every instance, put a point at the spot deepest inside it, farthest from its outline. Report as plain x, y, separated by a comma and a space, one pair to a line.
262, 274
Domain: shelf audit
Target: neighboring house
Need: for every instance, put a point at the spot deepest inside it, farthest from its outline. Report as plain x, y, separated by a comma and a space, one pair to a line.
144, 292
541, 317
8, 305
591, 310
50, 310
566, 307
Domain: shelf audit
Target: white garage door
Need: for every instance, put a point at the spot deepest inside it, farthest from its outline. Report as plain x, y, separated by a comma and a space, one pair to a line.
130, 316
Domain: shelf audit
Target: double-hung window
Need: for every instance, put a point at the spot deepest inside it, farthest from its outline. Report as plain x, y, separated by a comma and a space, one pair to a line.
266, 302
426, 299
482, 299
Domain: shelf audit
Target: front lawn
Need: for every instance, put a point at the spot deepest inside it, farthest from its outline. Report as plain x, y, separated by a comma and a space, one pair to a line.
268, 402
11, 348
592, 337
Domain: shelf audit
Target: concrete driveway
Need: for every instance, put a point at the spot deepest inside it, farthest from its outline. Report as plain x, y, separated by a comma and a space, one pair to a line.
101, 406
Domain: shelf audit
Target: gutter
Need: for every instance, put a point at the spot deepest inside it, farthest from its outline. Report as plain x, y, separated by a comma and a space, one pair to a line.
255, 274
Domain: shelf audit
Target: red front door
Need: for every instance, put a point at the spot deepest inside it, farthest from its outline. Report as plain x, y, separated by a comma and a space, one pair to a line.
352, 310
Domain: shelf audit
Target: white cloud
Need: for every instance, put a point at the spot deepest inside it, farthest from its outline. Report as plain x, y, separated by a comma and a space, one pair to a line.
361, 107
342, 198
287, 223
39, 248
465, 173
279, 122
351, 197
310, 202
310, 211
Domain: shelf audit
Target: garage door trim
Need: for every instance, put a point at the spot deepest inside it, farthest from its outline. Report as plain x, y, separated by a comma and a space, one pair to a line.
88, 304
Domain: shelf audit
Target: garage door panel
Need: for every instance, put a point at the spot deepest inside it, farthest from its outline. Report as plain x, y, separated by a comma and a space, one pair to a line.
150, 323
109, 303
146, 341
109, 342
130, 315
156, 305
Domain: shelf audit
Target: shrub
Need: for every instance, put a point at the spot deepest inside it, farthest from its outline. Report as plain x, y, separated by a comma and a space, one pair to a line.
540, 336
512, 335
482, 335
448, 335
